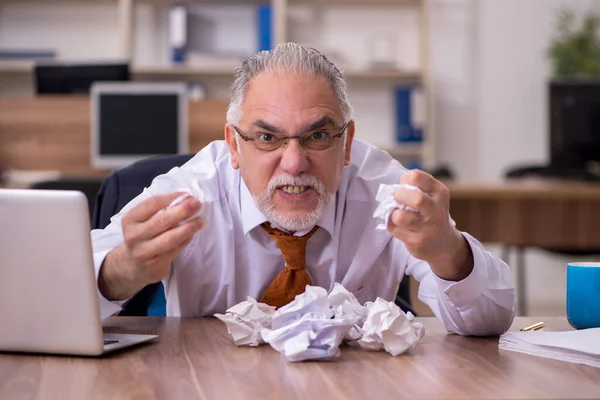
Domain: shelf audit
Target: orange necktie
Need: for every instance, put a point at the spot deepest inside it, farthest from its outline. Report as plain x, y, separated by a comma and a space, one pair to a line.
293, 278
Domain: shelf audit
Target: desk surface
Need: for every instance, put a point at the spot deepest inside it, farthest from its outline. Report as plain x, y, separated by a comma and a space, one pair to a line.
525, 189
195, 358
555, 215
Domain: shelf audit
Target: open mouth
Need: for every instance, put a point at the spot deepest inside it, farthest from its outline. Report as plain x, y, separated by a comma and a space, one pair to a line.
289, 189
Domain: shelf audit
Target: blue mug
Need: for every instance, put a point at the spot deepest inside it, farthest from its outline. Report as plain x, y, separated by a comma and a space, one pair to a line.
583, 294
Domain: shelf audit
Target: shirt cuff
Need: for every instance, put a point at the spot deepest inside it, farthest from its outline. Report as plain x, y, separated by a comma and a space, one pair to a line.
466, 291
107, 307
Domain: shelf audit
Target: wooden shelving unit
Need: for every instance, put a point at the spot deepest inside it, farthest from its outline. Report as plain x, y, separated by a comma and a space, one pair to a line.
126, 28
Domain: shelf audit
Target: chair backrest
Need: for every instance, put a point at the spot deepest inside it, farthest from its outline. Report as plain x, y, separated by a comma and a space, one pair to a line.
122, 185
89, 187
118, 189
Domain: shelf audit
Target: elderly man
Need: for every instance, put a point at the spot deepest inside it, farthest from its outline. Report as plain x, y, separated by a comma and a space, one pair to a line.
290, 196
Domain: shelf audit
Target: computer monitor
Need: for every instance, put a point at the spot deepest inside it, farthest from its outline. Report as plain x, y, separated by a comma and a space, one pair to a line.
135, 120
76, 78
575, 124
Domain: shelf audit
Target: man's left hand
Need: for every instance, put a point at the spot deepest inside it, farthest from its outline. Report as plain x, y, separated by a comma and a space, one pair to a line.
429, 235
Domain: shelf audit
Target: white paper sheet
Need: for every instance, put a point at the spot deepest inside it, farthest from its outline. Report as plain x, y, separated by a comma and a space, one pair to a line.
580, 347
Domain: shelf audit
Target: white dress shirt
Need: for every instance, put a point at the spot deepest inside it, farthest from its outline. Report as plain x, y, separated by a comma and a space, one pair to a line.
233, 257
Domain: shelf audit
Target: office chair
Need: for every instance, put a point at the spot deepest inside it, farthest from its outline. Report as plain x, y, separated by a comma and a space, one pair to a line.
89, 187
118, 189
124, 184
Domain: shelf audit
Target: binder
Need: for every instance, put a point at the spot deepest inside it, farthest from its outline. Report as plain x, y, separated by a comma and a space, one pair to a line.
264, 19
410, 114
178, 15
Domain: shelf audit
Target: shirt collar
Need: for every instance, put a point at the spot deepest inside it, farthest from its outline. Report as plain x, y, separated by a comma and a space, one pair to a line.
253, 217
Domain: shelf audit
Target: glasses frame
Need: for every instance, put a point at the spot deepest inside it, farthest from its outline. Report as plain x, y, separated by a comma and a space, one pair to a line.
285, 139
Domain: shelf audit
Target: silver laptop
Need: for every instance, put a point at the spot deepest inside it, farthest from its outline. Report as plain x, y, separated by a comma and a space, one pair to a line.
48, 292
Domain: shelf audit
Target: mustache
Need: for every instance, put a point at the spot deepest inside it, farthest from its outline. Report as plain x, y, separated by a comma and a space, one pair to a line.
301, 180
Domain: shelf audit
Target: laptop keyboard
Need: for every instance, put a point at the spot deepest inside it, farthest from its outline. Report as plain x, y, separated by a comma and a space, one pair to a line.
109, 341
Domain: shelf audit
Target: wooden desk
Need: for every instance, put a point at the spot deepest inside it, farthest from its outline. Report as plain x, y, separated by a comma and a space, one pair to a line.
551, 214
554, 215
195, 358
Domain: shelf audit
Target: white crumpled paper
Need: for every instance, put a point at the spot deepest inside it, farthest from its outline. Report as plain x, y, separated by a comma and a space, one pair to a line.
304, 329
246, 320
388, 327
202, 212
387, 203
315, 323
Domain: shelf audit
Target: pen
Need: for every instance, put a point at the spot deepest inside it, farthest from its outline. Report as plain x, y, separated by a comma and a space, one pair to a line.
533, 327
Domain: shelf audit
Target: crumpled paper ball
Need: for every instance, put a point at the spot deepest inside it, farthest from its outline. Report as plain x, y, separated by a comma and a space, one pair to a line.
388, 327
314, 325
387, 203
246, 320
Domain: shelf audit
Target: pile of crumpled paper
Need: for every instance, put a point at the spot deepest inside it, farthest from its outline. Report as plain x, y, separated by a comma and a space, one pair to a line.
315, 323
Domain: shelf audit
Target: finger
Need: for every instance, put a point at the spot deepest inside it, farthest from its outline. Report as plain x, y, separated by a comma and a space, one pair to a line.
157, 275
164, 221
405, 219
147, 208
167, 241
420, 201
421, 179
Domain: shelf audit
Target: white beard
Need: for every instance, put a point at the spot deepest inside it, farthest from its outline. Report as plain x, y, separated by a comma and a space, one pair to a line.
289, 223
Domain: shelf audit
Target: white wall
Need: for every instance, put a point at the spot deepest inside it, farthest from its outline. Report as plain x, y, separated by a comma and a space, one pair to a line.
513, 70
454, 73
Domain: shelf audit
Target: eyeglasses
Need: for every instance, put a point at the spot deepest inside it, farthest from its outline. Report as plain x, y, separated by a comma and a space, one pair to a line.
317, 141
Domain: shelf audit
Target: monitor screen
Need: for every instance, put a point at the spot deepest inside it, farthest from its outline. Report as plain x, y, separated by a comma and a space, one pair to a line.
63, 78
133, 121
574, 123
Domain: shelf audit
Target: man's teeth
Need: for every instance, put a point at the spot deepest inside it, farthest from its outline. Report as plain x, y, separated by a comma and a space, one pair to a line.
294, 189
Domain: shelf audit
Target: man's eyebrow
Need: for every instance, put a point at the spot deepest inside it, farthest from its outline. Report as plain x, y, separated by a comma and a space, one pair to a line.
320, 123
261, 124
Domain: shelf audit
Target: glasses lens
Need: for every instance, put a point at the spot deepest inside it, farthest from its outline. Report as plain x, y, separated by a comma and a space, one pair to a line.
267, 142
322, 141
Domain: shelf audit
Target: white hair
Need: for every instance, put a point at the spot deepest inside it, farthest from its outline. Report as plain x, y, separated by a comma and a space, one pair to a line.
287, 57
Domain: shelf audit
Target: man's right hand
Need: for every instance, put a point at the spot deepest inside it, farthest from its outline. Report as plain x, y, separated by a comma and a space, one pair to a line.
152, 241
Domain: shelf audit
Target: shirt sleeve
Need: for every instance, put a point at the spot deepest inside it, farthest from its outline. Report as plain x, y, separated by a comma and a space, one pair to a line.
483, 303
104, 240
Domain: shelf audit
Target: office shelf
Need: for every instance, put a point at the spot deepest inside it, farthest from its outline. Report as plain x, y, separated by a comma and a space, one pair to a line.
287, 19
183, 70
16, 66
361, 3
194, 70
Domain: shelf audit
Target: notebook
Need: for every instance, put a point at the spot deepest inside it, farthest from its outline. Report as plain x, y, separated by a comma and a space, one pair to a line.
48, 293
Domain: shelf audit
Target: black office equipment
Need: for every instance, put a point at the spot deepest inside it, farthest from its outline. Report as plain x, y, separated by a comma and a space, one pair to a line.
76, 78
574, 133
132, 121
574, 123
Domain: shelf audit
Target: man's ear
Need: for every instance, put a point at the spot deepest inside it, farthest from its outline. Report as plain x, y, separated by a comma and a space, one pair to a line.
349, 139
231, 140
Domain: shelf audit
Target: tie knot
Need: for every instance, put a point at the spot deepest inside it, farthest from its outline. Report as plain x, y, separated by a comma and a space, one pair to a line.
293, 248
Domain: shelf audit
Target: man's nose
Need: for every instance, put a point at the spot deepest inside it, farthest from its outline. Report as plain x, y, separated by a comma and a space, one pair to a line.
293, 159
